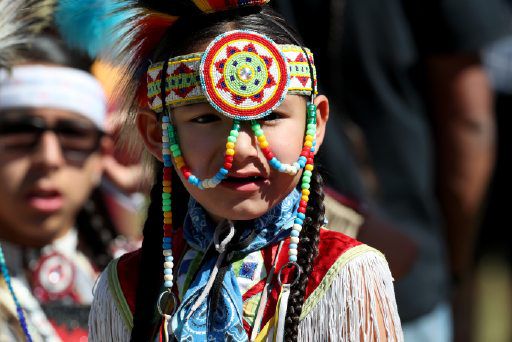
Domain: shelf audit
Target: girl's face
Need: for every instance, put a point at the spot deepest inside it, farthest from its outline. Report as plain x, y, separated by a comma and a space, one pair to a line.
252, 186
49, 163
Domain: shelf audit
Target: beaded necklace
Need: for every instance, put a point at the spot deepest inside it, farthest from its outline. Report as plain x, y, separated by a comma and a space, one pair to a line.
19, 310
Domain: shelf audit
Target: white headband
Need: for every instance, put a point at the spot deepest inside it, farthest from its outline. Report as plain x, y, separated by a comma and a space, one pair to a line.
53, 87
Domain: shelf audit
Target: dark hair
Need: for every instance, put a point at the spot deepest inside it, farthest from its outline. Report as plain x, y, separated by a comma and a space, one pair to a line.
49, 48
183, 37
95, 230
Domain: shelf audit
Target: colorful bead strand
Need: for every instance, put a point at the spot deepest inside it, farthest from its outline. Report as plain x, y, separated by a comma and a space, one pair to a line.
19, 310
308, 152
274, 162
175, 150
166, 206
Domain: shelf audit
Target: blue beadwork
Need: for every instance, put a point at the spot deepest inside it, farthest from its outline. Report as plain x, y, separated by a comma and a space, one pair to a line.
19, 310
247, 270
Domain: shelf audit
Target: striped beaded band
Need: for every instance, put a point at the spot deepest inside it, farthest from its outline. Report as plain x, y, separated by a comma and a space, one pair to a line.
184, 75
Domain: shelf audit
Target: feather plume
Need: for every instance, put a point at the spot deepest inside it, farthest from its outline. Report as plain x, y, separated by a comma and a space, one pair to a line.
94, 26
12, 29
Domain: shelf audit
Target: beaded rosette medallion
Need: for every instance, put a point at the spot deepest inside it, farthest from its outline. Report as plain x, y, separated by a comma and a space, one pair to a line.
245, 76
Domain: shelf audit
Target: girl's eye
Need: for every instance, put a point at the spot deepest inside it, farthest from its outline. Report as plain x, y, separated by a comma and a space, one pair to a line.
206, 118
272, 117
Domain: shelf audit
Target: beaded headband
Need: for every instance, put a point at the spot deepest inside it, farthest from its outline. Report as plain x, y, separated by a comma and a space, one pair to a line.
242, 74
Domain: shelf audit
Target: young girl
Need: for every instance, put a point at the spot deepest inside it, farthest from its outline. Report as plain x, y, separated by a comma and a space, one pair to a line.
54, 234
235, 123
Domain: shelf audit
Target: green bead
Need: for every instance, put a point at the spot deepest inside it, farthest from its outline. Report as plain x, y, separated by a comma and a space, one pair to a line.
166, 196
232, 139
311, 126
176, 154
306, 179
234, 133
175, 147
308, 173
166, 208
166, 201
305, 185
258, 132
311, 132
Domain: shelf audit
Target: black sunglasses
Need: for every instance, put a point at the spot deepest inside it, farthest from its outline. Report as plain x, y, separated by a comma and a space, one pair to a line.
21, 135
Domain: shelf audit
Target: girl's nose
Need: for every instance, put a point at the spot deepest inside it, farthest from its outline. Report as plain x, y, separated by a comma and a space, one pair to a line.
246, 144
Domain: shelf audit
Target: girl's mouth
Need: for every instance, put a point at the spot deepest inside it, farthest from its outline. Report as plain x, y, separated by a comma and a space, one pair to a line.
248, 183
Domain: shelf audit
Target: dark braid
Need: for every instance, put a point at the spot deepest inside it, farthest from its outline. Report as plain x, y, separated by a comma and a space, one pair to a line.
95, 230
307, 252
150, 270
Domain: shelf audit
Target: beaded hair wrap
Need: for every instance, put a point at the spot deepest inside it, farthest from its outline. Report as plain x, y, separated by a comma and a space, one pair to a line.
245, 76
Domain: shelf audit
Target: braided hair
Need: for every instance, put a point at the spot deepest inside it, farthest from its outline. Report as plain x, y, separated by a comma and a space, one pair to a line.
95, 230
307, 252
183, 37
150, 276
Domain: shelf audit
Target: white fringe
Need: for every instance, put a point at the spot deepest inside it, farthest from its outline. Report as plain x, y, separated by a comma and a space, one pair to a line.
349, 310
105, 320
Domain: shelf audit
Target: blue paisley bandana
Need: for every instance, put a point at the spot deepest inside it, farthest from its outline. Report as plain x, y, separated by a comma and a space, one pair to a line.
225, 324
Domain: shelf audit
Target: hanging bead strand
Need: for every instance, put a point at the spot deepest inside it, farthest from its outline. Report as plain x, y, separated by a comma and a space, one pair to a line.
308, 152
166, 206
181, 165
275, 163
19, 310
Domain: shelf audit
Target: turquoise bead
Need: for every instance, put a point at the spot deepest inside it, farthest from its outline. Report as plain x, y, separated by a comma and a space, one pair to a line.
232, 139
292, 258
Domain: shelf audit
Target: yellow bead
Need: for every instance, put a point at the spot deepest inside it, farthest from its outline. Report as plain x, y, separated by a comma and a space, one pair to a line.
179, 160
167, 189
305, 192
309, 167
262, 138
230, 145
308, 143
166, 183
167, 220
168, 214
309, 138
264, 144
305, 198
230, 152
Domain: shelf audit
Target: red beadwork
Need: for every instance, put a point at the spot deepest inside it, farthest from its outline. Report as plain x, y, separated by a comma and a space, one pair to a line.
228, 159
301, 210
303, 204
228, 166
310, 161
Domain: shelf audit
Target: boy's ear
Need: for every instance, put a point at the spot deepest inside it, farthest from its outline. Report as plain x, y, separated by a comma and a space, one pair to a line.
150, 130
322, 116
